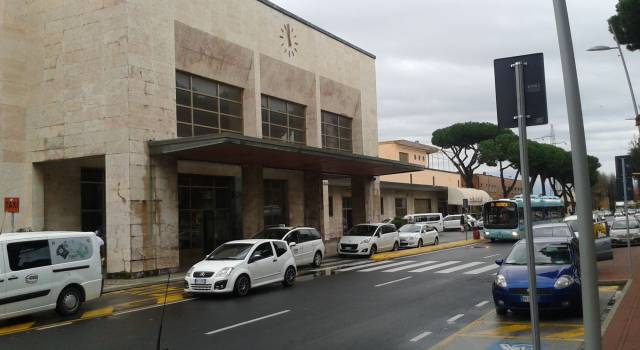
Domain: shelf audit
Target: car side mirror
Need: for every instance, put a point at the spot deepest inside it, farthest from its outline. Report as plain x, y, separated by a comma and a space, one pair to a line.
377, 235
499, 262
292, 244
255, 257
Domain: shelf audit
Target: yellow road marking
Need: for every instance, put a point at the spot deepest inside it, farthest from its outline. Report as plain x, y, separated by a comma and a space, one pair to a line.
105, 311
503, 330
427, 249
169, 298
609, 289
577, 332
21, 327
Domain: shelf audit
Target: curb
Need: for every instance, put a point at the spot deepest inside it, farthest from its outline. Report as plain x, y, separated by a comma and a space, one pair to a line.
111, 289
619, 298
428, 249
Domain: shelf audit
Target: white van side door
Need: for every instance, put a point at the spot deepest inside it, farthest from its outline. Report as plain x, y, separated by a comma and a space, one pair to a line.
29, 282
3, 277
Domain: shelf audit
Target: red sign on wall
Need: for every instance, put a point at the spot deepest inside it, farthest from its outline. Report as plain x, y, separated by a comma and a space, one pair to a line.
11, 204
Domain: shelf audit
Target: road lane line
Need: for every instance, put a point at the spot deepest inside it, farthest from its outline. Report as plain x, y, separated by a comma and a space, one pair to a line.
385, 266
489, 256
482, 269
410, 266
420, 336
394, 281
482, 303
454, 318
54, 325
436, 266
460, 267
364, 266
247, 322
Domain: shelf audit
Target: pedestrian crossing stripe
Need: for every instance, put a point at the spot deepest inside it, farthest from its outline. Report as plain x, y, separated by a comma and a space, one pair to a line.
440, 267
436, 266
375, 268
363, 266
482, 269
460, 267
406, 267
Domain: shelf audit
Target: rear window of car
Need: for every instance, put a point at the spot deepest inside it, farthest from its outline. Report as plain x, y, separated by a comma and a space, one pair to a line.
552, 231
621, 224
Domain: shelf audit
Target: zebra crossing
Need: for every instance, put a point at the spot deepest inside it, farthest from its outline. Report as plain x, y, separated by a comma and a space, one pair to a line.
435, 266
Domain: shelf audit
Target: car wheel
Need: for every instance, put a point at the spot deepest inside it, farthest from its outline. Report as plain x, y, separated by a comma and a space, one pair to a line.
289, 277
242, 286
396, 246
317, 259
501, 310
69, 301
420, 243
373, 250
436, 241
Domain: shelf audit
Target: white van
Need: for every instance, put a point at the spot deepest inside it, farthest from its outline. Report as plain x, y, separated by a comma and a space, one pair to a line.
431, 219
48, 270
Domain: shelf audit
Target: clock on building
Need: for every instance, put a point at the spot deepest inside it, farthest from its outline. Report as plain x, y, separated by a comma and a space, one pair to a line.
289, 40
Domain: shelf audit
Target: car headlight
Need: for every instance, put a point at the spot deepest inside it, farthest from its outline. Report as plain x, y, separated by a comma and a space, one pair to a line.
190, 271
501, 281
224, 272
563, 281
514, 234
487, 233
366, 240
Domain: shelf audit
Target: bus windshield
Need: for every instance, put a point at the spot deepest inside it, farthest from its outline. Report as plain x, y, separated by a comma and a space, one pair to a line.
501, 215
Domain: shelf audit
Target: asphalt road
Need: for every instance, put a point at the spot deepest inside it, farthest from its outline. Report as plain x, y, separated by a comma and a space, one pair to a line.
352, 309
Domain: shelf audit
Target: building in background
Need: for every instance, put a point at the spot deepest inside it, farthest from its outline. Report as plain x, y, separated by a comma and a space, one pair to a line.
493, 185
174, 128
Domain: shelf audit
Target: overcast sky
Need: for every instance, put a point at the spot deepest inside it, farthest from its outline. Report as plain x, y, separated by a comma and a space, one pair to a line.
435, 63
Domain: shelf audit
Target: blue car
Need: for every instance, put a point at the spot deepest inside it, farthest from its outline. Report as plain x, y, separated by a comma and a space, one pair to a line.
557, 277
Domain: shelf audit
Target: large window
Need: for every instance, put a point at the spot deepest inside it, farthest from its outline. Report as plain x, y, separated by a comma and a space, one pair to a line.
28, 255
206, 107
401, 207
283, 120
404, 157
92, 200
336, 132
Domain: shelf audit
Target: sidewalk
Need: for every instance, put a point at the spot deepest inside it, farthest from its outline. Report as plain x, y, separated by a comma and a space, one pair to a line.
623, 331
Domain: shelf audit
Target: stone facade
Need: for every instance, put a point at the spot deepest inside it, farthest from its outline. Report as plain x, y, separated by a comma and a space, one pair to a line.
90, 82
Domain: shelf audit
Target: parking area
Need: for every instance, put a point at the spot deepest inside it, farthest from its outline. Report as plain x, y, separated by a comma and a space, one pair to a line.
513, 331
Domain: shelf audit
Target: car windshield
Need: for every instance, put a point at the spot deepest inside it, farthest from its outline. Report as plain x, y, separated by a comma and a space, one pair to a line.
501, 215
230, 251
410, 228
545, 254
361, 230
271, 233
552, 231
622, 224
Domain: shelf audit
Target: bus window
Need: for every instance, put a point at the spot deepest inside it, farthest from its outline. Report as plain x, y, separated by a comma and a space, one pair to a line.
500, 215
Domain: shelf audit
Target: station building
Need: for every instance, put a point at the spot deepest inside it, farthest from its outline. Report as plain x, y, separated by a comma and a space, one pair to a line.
174, 126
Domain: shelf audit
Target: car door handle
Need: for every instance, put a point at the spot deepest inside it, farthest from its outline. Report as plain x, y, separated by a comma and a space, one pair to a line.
274, 260
12, 278
1, 281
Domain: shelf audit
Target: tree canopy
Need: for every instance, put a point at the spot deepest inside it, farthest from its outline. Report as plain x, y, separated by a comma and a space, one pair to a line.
459, 142
501, 152
626, 23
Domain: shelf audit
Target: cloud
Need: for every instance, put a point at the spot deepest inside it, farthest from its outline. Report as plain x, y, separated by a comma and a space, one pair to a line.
435, 63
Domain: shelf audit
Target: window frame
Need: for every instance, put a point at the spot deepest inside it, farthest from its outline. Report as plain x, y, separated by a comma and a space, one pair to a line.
16, 268
342, 124
289, 129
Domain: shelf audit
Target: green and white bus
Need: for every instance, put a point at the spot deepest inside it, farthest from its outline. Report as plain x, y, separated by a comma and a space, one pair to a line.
504, 218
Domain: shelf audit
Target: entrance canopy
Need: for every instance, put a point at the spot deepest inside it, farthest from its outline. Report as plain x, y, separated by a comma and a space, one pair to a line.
474, 196
241, 150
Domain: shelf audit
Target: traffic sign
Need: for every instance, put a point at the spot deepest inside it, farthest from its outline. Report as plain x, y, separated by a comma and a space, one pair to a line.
11, 205
535, 96
620, 181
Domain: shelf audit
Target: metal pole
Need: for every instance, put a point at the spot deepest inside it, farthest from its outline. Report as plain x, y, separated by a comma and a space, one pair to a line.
626, 72
626, 213
526, 201
589, 274
13, 222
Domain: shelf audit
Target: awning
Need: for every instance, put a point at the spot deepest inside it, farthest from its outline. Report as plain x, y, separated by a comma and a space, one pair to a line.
474, 196
384, 185
241, 150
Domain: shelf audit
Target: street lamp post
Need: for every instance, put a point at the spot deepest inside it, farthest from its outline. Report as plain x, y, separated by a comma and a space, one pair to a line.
626, 71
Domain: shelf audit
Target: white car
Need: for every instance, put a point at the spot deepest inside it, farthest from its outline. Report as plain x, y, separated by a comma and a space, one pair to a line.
432, 219
48, 270
452, 222
618, 231
417, 235
368, 239
238, 266
309, 248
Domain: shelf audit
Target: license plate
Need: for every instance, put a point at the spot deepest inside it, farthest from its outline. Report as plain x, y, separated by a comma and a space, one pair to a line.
201, 281
526, 299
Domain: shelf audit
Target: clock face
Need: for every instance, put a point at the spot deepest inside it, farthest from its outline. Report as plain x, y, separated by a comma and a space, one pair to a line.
289, 42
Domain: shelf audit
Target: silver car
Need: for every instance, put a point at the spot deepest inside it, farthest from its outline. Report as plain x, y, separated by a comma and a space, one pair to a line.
619, 231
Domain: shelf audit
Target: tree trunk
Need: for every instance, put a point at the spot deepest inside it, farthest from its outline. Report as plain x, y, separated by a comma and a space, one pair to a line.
533, 178
544, 188
468, 179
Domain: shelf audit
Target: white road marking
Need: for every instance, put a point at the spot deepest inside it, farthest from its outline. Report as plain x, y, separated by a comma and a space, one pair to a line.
482, 269
247, 322
454, 318
482, 303
489, 256
436, 266
54, 325
460, 267
420, 336
410, 266
394, 281
364, 265
385, 266
442, 250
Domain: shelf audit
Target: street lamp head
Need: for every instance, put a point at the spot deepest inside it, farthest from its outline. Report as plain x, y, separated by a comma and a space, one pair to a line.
600, 48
